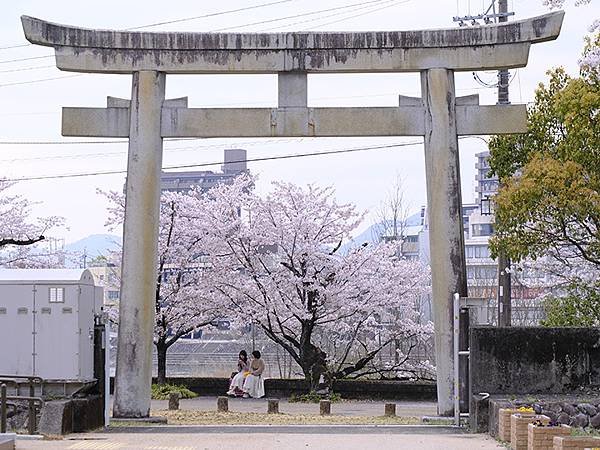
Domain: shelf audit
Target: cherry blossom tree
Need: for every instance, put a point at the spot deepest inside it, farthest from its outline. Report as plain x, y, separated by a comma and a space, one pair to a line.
183, 299
19, 233
275, 259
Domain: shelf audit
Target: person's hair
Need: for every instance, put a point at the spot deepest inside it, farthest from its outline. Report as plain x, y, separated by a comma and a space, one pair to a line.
256, 354
243, 355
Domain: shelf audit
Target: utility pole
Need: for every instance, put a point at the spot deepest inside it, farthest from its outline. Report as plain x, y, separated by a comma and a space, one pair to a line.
504, 279
489, 16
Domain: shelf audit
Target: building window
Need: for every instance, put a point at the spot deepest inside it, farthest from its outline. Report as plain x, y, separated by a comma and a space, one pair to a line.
113, 295
56, 295
483, 229
477, 251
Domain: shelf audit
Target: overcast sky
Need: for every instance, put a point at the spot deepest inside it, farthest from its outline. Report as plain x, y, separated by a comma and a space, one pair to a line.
30, 112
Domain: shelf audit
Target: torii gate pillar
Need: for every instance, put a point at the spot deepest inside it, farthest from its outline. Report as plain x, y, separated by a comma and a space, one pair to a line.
142, 207
444, 208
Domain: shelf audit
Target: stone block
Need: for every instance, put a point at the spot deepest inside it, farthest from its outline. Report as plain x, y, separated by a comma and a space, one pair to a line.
174, 401
273, 406
325, 407
588, 409
570, 409
57, 418
595, 421
480, 414
575, 442
564, 418
580, 420
222, 404
542, 438
519, 431
88, 413
390, 410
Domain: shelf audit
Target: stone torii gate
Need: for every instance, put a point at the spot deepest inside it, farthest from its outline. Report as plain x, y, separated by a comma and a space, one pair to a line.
439, 116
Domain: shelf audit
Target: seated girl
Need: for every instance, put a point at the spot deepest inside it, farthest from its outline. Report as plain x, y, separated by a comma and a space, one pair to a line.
254, 385
237, 381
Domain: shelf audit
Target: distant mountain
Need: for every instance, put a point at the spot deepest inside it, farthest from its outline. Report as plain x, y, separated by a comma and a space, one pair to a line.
369, 235
95, 245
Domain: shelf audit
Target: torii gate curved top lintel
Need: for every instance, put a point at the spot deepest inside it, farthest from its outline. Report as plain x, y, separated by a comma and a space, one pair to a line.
439, 116
460, 49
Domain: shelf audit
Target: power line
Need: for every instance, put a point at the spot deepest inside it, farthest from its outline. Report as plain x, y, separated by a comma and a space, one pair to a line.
335, 14
6, 61
190, 166
296, 15
15, 46
40, 80
187, 19
212, 31
394, 3
27, 68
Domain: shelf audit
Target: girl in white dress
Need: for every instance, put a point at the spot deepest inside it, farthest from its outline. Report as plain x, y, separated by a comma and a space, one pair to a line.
254, 385
237, 382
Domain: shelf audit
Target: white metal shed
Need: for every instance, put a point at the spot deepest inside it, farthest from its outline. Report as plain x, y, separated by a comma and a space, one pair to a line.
47, 322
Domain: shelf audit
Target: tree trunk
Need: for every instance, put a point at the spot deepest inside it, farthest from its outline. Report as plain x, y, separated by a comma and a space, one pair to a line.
161, 356
313, 365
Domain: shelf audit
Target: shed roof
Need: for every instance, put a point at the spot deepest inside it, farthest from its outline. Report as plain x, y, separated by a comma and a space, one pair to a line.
66, 276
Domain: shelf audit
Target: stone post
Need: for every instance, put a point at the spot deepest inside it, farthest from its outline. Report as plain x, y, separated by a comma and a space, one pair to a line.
446, 240
222, 404
272, 406
390, 410
174, 401
325, 407
140, 247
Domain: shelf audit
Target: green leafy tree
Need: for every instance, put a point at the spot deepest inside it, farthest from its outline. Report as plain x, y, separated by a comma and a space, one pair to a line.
580, 306
549, 203
550, 200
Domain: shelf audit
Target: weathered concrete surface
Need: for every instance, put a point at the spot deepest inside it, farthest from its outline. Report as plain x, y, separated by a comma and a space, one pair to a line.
444, 200
140, 248
472, 48
56, 418
295, 121
521, 360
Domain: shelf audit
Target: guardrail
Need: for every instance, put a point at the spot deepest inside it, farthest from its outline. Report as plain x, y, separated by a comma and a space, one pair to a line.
6, 401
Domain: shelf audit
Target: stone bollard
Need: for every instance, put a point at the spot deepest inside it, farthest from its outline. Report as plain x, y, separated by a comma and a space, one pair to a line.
272, 406
325, 407
390, 410
174, 401
222, 404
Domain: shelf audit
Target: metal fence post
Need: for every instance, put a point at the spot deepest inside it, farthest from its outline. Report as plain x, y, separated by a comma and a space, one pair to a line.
3, 408
32, 412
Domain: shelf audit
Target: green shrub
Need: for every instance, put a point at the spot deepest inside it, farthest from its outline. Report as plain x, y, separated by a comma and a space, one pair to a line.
162, 391
313, 397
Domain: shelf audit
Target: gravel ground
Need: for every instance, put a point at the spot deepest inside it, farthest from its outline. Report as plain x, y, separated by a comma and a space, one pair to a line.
194, 417
343, 408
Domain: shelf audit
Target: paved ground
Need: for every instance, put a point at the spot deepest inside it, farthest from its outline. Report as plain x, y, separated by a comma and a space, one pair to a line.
345, 408
326, 439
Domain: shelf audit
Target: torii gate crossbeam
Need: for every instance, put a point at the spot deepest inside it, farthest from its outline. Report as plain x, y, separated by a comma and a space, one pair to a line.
439, 116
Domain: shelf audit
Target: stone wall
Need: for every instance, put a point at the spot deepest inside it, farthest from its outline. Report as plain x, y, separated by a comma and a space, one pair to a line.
533, 360
524, 364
